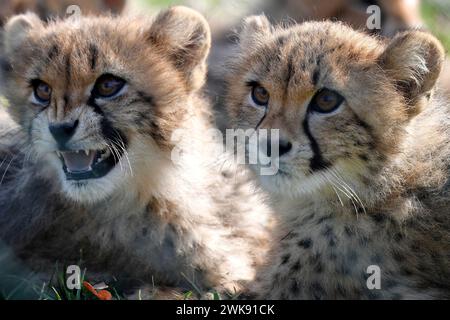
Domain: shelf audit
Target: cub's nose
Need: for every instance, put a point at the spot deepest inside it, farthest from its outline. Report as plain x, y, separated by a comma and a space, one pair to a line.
283, 147
62, 132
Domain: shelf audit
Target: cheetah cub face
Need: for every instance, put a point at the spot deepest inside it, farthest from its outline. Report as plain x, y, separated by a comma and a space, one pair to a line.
98, 97
342, 100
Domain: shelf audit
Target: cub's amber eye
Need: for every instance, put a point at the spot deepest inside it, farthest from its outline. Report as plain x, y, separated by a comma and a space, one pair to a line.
107, 86
42, 91
326, 101
260, 95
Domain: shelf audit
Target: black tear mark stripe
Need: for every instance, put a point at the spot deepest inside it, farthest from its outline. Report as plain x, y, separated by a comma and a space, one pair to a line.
91, 103
363, 124
109, 132
262, 119
317, 162
146, 98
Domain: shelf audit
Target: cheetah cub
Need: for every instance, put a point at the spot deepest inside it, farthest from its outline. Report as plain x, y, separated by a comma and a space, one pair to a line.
362, 183
95, 103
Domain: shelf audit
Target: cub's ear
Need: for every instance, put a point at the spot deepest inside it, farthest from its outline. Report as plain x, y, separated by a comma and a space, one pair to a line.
414, 60
16, 31
183, 35
253, 29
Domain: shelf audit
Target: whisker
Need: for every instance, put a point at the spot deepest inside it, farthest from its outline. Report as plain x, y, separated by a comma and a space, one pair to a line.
354, 196
7, 168
121, 144
125, 153
353, 191
335, 191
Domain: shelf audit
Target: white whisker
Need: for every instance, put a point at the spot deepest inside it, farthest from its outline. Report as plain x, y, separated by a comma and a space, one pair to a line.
7, 168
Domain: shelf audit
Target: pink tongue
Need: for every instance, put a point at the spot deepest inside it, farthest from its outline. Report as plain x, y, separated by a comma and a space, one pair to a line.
78, 161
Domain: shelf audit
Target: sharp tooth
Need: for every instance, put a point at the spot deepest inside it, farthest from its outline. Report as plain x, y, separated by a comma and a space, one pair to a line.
87, 152
77, 151
58, 154
104, 155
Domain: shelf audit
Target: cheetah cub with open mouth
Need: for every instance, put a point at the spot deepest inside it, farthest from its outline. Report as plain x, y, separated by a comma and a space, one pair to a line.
362, 168
98, 105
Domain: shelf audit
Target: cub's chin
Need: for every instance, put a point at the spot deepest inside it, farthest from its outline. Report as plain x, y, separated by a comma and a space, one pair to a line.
289, 184
274, 180
87, 176
88, 186
94, 189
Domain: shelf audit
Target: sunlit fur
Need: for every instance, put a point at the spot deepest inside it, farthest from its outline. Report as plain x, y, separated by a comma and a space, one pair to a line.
374, 188
188, 223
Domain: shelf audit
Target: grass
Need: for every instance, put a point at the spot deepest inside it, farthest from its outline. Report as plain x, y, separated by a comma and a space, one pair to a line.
436, 14
57, 289
29, 287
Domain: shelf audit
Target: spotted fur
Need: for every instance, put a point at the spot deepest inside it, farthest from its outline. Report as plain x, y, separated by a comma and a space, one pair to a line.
176, 223
366, 184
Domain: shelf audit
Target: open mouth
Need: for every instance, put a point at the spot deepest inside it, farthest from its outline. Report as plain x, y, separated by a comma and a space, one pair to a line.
87, 164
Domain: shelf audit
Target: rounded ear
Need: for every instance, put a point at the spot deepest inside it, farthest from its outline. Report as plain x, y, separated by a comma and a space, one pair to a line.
16, 31
253, 28
184, 35
414, 59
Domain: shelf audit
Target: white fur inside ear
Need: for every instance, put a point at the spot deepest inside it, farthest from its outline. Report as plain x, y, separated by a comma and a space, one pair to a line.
185, 36
415, 68
17, 29
414, 59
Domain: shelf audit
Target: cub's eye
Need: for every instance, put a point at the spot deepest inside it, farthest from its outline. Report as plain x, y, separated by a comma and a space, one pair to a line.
108, 86
42, 92
326, 101
260, 95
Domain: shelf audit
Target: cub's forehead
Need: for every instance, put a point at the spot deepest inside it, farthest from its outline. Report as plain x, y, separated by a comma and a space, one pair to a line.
72, 33
306, 50
80, 48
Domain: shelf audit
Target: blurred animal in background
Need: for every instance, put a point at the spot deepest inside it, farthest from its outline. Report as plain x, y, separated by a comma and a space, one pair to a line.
57, 8
396, 14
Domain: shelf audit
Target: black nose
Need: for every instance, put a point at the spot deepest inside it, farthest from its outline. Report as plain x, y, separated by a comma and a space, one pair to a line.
62, 132
283, 147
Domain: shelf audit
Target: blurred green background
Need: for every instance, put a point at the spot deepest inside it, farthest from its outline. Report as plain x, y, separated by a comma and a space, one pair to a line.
436, 14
